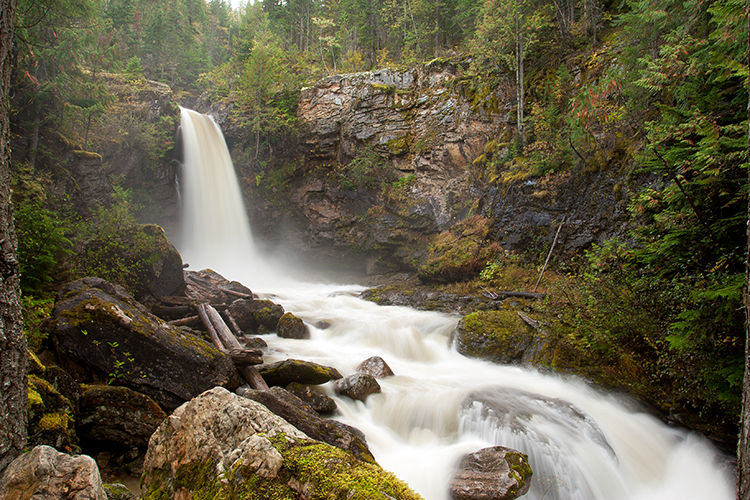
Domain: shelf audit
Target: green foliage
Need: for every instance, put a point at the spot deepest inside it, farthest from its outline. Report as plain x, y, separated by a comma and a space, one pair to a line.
35, 312
42, 242
368, 170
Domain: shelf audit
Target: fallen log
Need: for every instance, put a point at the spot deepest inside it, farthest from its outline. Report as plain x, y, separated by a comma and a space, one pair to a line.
222, 336
235, 293
232, 323
189, 320
244, 357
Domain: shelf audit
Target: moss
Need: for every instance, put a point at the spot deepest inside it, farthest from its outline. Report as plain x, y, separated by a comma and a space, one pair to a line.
495, 335
34, 398
200, 478
399, 145
330, 472
54, 422
380, 87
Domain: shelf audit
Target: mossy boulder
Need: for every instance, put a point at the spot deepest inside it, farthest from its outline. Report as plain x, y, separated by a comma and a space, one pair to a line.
298, 413
101, 334
220, 445
51, 418
459, 254
499, 335
256, 316
117, 417
496, 473
290, 326
294, 370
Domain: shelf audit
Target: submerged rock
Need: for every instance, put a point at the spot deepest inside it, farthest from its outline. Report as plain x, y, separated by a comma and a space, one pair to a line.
117, 416
101, 334
375, 366
291, 327
357, 386
294, 370
46, 474
222, 445
295, 411
495, 473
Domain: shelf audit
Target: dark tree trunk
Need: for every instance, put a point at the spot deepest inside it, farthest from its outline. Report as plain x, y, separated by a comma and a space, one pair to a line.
743, 448
12, 342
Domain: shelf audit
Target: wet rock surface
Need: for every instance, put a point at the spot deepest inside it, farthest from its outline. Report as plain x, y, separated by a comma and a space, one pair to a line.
313, 396
376, 367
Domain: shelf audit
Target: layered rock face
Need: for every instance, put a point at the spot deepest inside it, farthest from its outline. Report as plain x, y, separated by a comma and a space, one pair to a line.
418, 124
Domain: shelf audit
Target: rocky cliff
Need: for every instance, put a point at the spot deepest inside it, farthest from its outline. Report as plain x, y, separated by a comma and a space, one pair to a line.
389, 159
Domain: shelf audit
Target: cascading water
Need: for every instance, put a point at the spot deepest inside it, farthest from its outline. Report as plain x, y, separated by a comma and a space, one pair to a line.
582, 444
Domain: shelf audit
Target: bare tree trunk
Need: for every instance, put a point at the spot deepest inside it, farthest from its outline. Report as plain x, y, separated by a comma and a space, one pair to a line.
743, 448
13, 392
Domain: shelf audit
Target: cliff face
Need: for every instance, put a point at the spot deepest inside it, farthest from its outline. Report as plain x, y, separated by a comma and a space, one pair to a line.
421, 124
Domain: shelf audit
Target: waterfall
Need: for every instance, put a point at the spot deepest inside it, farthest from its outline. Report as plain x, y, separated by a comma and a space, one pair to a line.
582, 443
215, 229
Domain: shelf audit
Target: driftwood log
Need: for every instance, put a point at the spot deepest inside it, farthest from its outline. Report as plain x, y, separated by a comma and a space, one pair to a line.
226, 342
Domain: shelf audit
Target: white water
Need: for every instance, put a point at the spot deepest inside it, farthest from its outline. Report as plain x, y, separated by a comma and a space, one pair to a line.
582, 444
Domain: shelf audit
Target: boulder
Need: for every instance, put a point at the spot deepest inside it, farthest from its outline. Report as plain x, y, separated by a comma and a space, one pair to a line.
211, 287
303, 417
222, 445
357, 386
51, 418
101, 334
110, 416
313, 396
294, 370
499, 336
118, 491
256, 316
252, 342
291, 327
375, 366
46, 474
495, 473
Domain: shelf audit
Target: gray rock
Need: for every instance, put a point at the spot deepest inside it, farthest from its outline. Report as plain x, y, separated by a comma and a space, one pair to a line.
357, 386
46, 474
495, 473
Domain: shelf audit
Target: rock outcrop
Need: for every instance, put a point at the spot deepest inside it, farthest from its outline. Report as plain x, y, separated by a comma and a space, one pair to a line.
46, 474
500, 336
495, 473
226, 446
101, 334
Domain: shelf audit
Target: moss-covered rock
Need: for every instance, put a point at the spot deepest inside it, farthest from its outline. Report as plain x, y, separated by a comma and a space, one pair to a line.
460, 253
294, 370
51, 418
220, 445
101, 335
499, 336
292, 327
313, 396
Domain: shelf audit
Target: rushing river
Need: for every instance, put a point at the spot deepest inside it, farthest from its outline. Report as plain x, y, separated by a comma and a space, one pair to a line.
582, 443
